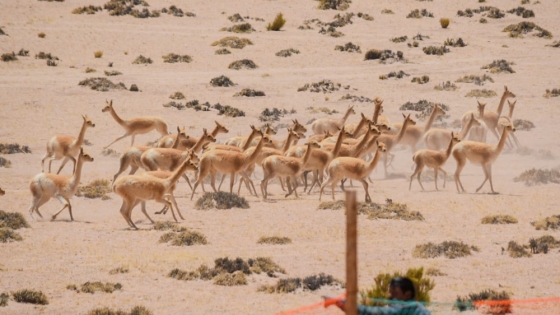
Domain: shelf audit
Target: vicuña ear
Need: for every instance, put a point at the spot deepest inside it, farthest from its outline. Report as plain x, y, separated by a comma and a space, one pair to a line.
111, 103
505, 88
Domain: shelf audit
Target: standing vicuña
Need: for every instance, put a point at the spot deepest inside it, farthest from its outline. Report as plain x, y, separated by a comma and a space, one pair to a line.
67, 147
45, 186
136, 125
135, 189
479, 153
321, 125
433, 159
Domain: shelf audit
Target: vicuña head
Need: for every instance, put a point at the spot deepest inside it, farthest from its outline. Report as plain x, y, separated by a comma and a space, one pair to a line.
297, 127
508, 93
108, 106
221, 127
2, 192
88, 121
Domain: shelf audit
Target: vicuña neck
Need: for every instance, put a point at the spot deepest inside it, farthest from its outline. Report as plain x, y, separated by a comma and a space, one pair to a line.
307, 154
201, 141
449, 148
400, 135
175, 175
430, 121
81, 135
510, 115
346, 115
288, 142
75, 180
253, 157
466, 128
361, 124
376, 111
250, 139
116, 117
338, 144
502, 142
373, 163
502, 102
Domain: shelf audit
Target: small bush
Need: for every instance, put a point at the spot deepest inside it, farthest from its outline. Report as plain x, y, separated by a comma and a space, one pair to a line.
384, 56
374, 211
481, 93
538, 176
274, 114
499, 66
99, 188
521, 11
229, 111
424, 108
13, 220
221, 81
41, 35
552, 93
446, 86
522, 124
177, 96
102, 84
435, 272
184, 238
7, 235
355, 98
543, 244
499, 219
325, 86
444, 22
282, 286
417, 14
239, 28
98, 54
311, 283
275, 240
516, 251
221, 200
173, 58
4, 297
30, 296
136, 310
455, 42
348, 47
517, 30
112, 73
478, 80
249, 93
380, 290
264, 265
5, 162
12, 148
434, 50
92, 287
9, 57
449, 249
142, 60
90, 9
421, 80
23, 53
469, 302
233, 42
401, 39
230, 279
242, 64
334, 4
222, 51
387, 11
287, 52
277, 24
552, 222
119, 270
90, 70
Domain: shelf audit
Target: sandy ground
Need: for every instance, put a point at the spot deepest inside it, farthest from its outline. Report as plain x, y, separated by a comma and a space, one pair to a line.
38, 102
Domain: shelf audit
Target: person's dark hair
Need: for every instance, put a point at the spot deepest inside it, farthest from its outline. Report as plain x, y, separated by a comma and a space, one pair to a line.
405, 284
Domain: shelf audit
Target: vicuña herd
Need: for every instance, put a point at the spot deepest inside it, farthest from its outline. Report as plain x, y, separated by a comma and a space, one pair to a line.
337, 149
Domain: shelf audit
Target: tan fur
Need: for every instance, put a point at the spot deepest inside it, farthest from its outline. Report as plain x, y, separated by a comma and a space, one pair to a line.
479, 153
360, 128
508, 119
353, 168
131, 157
391, 140
135, 189
2, 192
67, 147
227, 162
332, 125
190, 142
433, 159
284, 166
490, 119
45, 186
438, 139
136, 125
164, 175
252, 139
319, 138
414, 134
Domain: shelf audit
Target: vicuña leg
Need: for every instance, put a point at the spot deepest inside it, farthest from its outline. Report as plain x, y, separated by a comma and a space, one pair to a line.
119, 138
66, 203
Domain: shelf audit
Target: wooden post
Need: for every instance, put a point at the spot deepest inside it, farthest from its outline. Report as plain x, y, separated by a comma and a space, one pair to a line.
351, 253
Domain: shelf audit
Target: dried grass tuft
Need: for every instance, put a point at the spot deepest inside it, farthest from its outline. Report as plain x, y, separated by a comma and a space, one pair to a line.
136, 310
102, 84
434, 50
275, 240
7, 57
421, 80
92, 287
249, 93
374, 211
446, 86
242, 64
341, 5
90, 9
221, 200
418, 14
8, 235
173, 58
469, 302
221, 81
552, 222
481, 93
184, 238
142, 60
277, 24
30, 296
99, 188
4, 297
499, 66
13, 220
5, 162
499, 219
232, 42
517, 251
539, 176
230, 279
552, 93
119, 270
287, 52
476, 79
517, 30
449, 249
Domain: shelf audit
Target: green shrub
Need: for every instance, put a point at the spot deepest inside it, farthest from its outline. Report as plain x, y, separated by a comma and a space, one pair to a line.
380, 290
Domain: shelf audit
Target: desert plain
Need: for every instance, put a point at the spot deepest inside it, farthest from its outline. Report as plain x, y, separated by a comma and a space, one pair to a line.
38, 101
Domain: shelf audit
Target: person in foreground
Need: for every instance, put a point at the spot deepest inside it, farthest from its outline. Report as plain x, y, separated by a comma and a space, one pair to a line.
402, 291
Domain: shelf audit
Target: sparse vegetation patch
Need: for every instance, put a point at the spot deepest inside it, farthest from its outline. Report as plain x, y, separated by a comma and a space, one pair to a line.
421, 80
184, 237
229, 111
239, 28
434, 50
12, 220
334, 4
242, 64
142, 60
99, 188
136, 310
374, 211
112, 73
500, 66
499, 219
325, 86
492, 12
543, 244
522, 124
552, 93
355, 98
30, 296
12, 148
23, 53
348, 47
311, 283
435, 272
222, 81
418, 14
275, 240
43, 55
552, 222
249, 93
521, 11
177, 96
287, 52
5, 162
365, 16
401, 39
221, 200
481, 93
323, 110
9, 57
223, 51
4, 297
8, 235
397, 75
455, 42
446, 86
476, 79
425, 109
274, 114
539, 176
90, 9
387, 11
92, 287
516, 250
119, 270
385, 56
468, 302
173, 58
102, 84
449, 249
277, 24
517, 30
232, 42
